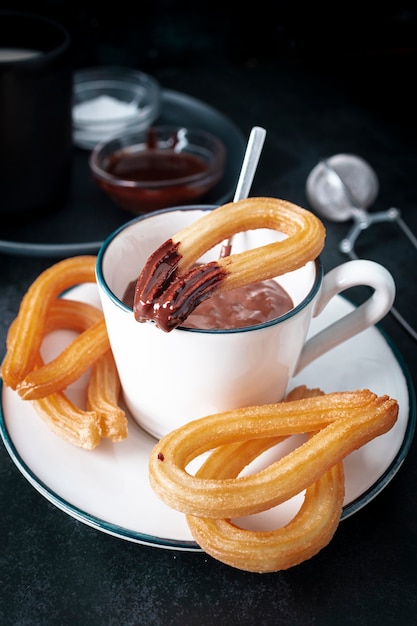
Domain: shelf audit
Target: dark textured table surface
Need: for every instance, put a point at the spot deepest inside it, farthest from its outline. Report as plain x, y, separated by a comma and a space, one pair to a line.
56, 570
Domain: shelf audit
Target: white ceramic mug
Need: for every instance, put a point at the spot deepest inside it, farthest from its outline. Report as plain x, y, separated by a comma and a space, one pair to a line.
171, 378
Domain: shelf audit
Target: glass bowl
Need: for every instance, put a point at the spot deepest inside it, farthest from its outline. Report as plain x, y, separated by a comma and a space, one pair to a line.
157, 168
108, 101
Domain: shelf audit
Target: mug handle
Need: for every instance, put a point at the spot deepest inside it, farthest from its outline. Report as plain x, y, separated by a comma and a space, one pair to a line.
359, 272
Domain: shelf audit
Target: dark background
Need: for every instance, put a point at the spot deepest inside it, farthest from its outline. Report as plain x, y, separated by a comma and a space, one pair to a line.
370, 47
157, 33
323, 79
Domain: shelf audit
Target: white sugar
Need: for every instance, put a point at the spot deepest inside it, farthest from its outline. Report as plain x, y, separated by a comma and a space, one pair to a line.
103, 108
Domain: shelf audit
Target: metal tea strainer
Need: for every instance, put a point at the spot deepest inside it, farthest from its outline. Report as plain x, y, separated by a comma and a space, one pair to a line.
342, 187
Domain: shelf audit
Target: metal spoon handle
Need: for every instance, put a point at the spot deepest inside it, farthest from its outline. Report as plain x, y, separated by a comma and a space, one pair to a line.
247, 173
250, 162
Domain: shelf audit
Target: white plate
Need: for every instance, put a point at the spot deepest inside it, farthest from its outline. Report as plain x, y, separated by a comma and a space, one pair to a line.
108, 488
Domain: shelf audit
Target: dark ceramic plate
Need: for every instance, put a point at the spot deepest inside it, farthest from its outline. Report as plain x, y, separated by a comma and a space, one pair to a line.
88, 217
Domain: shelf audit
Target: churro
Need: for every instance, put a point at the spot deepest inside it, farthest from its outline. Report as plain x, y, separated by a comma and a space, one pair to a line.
334, 425
171, 285
24, 343
42, 311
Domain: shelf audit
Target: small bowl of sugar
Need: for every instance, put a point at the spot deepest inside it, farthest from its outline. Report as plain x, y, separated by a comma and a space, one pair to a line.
108, 101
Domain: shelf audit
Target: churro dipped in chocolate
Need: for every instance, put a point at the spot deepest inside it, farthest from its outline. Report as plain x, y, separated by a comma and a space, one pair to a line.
171, 285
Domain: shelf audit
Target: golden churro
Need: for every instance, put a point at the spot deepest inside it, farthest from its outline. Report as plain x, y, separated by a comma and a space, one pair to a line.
170, 285
310, 530
24, 370
23, 346
334, 425
103, 398
341, 421
68, 366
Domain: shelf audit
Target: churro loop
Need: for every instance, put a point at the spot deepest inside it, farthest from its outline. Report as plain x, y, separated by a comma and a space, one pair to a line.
335, 425
69, 422
170, 286
103, 394
42, 312
103, 417
21, 354
340, 421
76, 358
69, 314
310, 530
68, 366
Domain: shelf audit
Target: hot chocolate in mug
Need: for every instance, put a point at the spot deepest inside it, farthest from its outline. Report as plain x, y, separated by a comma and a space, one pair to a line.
170, 378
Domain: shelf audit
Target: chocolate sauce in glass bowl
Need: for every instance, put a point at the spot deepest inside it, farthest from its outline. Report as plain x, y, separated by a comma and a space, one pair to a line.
238, 308
154, 165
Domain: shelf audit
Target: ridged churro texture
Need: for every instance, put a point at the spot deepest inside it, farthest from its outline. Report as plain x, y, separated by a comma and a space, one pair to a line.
41, 312
170, 287
335, 425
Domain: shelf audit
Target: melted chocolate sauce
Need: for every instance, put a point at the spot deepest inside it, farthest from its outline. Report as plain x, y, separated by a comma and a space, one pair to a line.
244, 306
165, 297
154, 165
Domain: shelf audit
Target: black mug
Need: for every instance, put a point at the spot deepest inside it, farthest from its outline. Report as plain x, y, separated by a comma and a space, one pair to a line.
35, 113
